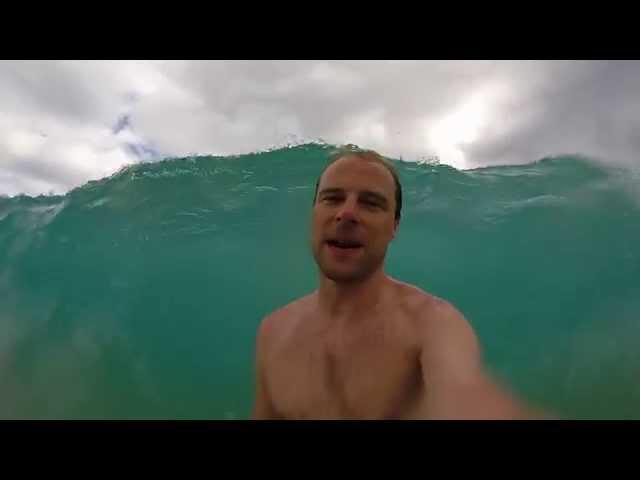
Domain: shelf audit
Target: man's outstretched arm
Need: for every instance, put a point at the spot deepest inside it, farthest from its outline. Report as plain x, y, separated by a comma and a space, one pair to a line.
456, 383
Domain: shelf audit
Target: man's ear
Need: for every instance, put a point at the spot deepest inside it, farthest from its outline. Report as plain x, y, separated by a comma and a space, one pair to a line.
396, 226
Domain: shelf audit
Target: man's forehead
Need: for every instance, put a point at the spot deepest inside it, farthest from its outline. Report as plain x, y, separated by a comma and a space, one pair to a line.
371, 175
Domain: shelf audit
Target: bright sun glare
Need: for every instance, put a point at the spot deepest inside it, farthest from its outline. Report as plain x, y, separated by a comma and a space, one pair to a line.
449, 135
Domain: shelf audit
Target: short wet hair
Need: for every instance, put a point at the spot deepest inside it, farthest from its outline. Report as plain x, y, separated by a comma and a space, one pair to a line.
368, 155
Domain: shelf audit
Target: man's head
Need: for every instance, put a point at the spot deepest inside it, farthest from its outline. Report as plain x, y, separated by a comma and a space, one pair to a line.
356, 212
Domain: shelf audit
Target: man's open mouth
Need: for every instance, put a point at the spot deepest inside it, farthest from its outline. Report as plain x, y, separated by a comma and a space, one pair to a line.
344, 244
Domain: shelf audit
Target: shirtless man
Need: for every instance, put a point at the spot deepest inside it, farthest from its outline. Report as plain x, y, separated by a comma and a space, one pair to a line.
364, 345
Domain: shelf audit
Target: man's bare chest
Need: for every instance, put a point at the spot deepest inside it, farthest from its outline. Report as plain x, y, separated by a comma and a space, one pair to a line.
345, 376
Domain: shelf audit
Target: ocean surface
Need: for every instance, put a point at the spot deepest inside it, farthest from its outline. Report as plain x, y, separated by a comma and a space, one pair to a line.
138, 295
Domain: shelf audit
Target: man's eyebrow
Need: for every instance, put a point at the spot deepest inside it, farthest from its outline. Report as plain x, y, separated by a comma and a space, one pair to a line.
330, 190
365, 193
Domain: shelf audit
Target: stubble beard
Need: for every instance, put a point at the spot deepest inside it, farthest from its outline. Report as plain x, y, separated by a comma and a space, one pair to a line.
361, 270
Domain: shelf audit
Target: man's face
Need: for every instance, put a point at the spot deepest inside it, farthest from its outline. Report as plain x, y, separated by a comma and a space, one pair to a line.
353, 219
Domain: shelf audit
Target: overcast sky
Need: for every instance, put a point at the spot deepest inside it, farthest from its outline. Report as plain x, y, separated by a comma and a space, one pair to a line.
63, 123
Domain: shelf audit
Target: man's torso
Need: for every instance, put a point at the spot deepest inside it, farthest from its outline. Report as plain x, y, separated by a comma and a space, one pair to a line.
364, 368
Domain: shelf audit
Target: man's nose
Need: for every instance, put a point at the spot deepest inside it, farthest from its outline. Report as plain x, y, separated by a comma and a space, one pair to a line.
348, 211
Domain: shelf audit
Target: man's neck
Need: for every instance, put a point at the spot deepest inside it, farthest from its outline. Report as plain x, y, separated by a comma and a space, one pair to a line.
346, 300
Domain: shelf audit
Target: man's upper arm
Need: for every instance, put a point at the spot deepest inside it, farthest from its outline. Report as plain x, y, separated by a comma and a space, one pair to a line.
456, 383
263, 406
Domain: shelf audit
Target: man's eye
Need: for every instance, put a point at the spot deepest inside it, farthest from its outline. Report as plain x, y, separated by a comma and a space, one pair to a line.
371, 203
331, 199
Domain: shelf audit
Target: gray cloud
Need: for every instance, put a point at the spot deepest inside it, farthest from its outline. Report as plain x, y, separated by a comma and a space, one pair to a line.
57, 118
591, 108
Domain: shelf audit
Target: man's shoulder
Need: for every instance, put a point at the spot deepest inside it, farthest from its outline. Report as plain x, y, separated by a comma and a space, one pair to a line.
425, 308
417, 300
284, 316
291, 309
436, 323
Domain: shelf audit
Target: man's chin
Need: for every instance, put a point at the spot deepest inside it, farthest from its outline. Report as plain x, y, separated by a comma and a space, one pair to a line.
345, 276
345, 273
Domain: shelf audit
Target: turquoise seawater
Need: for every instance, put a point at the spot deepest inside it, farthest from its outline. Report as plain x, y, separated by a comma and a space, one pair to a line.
138, 296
